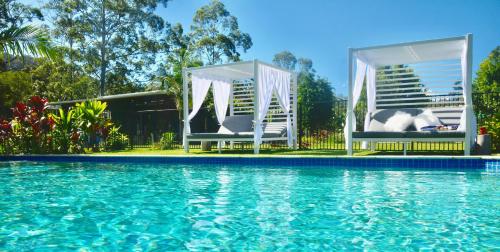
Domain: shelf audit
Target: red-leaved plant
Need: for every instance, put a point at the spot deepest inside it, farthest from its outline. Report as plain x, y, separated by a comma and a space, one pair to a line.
5, 130
483, 131
34, 124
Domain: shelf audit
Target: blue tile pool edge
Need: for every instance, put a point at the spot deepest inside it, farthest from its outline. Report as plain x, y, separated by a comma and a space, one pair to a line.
371, 162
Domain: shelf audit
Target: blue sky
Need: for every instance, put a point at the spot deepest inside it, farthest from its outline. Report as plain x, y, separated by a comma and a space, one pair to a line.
322, 30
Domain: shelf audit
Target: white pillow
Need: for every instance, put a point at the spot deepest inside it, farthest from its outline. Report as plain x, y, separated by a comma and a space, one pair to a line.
398, 122
427, 118
376, 126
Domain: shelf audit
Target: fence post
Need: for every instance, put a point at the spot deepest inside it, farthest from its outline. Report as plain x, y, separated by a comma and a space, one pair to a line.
299, 125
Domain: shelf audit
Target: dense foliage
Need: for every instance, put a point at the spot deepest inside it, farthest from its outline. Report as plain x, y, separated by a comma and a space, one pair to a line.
18, 39
216, 35
32, 126
35, 129
116, 140
315, 95
110, 47
167, 141
117, 41
488, 75
487, 85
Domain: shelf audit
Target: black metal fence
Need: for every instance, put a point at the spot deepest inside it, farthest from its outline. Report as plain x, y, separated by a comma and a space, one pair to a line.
330, 136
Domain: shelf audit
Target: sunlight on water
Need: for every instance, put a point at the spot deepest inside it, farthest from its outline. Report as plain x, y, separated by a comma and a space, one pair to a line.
74, 206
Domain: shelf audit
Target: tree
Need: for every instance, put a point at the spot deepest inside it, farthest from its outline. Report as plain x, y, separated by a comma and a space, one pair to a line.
18, 39
486, 98
61, 81
21, 41
306, 66
216, 36
488, 75
14, 86
178, 57
46, 78
315, 95
65, 29
285, 59
315, 99
120, 38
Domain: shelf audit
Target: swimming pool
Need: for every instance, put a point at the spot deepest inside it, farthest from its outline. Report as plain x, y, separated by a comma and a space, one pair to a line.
70, 206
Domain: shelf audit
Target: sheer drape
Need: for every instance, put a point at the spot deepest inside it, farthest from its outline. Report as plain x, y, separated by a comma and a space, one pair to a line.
371, 92
265, 85
356, 93
282, 87
370, 98
270, 80
200, 86
222, 90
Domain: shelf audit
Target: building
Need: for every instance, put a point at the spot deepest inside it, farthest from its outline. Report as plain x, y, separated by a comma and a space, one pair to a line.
143, 116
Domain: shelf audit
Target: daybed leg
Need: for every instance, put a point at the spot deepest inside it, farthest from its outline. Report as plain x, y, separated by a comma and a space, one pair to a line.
349, 149
219, 147
466, 148
256, 148
373, 145
231, 145
186, 146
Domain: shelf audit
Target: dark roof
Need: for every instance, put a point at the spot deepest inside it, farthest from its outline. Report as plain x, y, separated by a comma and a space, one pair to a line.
114, 97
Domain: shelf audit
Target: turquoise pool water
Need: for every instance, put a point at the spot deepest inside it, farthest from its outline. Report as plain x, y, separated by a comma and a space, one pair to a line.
89, 206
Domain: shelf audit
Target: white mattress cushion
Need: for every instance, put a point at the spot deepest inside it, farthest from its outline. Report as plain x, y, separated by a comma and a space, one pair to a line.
398, 122
425, 119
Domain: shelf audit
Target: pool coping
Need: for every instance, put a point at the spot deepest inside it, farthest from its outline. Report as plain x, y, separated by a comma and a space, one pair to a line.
443, 162
252, 156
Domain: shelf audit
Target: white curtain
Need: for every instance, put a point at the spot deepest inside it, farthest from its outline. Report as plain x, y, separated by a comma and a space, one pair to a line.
200, 85
356, 93
282, 87
370, 98
371, 92
270, 79
222, 90
265, 81
467, 94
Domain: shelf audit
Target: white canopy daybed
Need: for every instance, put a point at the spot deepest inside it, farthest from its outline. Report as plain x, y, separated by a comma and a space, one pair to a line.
261, 99
432, 75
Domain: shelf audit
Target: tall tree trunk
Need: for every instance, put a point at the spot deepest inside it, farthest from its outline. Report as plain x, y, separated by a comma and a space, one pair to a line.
71, 62
103, 49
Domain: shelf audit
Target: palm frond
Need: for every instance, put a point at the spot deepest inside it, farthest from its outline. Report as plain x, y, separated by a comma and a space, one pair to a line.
26, 40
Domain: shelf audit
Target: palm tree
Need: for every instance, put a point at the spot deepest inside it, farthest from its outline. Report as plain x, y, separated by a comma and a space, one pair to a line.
179, 57
26, 40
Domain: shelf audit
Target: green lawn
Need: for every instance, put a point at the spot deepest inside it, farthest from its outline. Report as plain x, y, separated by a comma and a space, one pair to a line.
267, 152
195, 152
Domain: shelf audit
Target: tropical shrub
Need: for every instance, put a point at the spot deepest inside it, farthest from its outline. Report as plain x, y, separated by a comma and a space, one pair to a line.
91, 120
115, 140
5, 137
493, 127
167, 141
33, 129
32, 126
67, 135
